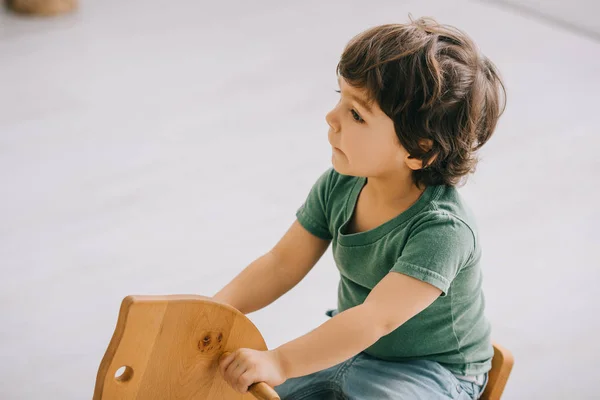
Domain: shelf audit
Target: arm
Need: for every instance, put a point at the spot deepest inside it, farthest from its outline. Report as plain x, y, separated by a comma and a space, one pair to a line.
276, 272
395, 300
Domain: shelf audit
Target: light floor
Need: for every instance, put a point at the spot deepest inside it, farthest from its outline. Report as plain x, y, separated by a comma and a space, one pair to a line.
154, 149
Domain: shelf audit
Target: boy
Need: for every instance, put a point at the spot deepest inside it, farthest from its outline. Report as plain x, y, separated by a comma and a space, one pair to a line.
417, 101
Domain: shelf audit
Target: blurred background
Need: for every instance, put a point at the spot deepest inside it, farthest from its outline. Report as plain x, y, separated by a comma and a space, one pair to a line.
152, 147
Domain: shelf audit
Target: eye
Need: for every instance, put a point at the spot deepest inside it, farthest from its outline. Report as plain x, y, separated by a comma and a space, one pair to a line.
355, 115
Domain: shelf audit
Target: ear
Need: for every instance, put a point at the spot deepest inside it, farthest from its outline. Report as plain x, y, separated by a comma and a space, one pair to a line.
414, 163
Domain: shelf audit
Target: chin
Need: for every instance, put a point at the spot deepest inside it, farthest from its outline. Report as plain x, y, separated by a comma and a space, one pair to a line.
342, 169
337, 168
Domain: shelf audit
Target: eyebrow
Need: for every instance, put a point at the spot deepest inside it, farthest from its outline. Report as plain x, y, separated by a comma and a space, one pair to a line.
361, 102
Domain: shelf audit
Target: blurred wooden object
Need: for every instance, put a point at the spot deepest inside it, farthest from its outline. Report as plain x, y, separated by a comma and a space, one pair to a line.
42, 7
168, 347
502, 364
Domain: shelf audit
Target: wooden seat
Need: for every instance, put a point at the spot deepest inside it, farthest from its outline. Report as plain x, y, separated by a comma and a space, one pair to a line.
502, 364
168, 347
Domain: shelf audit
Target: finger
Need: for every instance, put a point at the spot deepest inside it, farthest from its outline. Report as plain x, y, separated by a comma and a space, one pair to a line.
245, 380
226, 361
236, 369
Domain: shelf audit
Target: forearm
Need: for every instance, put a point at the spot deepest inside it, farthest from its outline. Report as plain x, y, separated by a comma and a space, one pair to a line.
258, 285
335, 341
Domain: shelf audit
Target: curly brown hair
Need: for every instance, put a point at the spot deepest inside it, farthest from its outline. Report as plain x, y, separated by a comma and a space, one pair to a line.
436, 86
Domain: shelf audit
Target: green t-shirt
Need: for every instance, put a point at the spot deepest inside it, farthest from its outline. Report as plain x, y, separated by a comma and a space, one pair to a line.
435, 240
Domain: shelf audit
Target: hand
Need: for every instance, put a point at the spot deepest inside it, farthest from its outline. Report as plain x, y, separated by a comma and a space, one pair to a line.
244, 367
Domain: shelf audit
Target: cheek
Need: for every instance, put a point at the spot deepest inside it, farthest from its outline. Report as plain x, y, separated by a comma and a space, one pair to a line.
376, 152
363, 152
363, 144
354, 144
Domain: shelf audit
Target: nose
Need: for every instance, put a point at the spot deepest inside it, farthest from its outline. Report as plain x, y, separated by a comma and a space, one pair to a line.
333, 128
332, 121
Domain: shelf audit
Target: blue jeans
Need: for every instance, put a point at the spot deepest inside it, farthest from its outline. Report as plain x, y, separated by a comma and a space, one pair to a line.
365, 377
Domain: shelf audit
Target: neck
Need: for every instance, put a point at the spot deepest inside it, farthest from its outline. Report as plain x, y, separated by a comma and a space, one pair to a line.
393, 190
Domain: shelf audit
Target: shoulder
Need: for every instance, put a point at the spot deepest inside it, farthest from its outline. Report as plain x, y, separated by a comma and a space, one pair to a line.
448, 218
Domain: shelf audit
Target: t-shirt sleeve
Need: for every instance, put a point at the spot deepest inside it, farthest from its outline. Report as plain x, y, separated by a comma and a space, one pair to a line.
436, 250
312, 215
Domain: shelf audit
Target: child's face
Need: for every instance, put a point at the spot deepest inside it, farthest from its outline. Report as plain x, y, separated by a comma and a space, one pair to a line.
364, 141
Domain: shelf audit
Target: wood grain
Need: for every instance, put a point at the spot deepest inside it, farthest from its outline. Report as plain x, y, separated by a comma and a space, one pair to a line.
502, 364
170, 348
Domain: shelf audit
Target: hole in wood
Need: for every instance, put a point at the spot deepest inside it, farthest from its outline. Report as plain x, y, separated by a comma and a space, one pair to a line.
124, 374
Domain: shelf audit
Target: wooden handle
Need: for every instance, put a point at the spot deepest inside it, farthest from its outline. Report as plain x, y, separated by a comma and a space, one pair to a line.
260, 390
